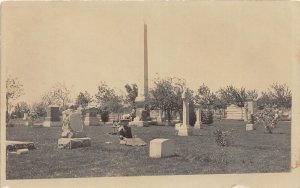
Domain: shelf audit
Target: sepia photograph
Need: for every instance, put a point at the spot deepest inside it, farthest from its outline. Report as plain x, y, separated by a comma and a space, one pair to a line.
176, 93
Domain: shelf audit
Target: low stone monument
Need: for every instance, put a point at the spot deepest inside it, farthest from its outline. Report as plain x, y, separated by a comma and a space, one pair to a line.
25, 116
74, 133
161, 148
91, 118
198, 119
52, 119
160, 119
185, 128
12, 146
250, 124
141, 121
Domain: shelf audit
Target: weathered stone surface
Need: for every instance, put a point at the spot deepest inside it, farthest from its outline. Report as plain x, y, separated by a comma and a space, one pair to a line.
133, 142
198, 119
73, 126
25, 116
22, 151
185, 131
15, 145
250, 127
91, 118
71, 143
52, 119
161, 148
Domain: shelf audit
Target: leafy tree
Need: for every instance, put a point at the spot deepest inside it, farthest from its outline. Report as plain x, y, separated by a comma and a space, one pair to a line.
166, 95
108, 99
132, 93
21, 108
83, 99
233, 95
59, 95
39, 108
205, 98
14, 89
268, 117
278, 94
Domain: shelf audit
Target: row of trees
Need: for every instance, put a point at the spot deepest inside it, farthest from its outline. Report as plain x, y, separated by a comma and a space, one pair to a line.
165, 95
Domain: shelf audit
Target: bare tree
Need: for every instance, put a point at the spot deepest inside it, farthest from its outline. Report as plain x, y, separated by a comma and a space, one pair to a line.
59, 95
14, 89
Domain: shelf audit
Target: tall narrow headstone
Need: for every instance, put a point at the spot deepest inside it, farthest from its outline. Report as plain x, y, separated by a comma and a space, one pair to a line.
185, 128
198, 118
52, 119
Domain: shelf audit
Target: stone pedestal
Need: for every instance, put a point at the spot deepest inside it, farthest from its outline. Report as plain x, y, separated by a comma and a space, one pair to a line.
52, 119
71, 143
185, 131
198, 119
91, 118
161, 148
250, 127
25, 116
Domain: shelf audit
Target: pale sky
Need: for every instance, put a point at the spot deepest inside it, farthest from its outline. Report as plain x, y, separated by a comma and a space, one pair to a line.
84, 43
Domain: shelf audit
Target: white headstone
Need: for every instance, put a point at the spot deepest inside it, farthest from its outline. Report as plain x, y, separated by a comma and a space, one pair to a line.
161, 148
198, 119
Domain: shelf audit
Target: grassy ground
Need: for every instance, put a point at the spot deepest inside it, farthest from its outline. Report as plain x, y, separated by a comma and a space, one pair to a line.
251, 152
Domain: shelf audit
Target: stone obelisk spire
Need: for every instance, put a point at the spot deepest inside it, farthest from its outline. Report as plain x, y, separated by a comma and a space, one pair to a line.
145, 63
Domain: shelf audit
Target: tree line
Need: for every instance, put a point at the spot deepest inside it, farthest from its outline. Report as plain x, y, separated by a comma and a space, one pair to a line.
165, 95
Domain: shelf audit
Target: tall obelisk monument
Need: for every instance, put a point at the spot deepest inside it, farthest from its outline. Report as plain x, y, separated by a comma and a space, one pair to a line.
146, 95
142, 110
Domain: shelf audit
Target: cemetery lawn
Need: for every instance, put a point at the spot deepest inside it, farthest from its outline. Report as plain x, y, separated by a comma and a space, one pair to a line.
251, 152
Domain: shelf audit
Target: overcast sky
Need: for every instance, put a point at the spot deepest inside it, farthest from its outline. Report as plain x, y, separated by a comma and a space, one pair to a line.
84, 43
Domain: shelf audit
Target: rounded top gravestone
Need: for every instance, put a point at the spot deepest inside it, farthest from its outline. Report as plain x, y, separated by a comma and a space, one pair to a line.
73, 126
76, 123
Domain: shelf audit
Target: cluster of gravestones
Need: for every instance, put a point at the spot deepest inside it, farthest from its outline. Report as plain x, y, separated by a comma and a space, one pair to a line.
74, 132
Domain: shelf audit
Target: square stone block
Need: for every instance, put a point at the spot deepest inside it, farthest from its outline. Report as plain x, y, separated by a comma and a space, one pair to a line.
71, 143
161, 148
250, 127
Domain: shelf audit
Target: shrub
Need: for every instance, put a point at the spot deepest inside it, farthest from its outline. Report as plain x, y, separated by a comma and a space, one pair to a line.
104, 116
222, 138
268, 117
207, 116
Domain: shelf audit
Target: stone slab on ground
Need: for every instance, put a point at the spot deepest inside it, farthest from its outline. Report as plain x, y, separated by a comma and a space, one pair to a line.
161, 148
71, 143
52, 124
250, 127
16, 145
22, 151
133, 142
139, 123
